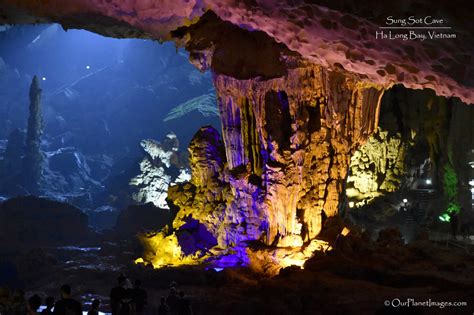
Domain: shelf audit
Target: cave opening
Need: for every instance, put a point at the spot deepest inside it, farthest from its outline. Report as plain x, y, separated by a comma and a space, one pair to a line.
105, 104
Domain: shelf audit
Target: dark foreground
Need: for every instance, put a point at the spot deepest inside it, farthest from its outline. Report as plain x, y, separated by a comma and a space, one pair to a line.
358, 277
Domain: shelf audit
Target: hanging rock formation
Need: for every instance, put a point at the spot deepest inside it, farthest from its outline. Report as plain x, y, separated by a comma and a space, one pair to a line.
281, 168
291, 138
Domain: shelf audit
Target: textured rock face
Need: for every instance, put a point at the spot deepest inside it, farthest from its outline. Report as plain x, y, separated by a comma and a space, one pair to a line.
288, 144
204, 197
33, 162
418, 141
204, 104
377, 167
160, 168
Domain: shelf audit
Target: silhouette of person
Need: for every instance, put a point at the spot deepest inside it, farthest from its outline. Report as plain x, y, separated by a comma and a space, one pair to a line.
67, 305
127, 305
49, 306
117, 294
139, 297
454, 223
172, 300
34, 303
183, 305
465, 228
94, 310
163, 309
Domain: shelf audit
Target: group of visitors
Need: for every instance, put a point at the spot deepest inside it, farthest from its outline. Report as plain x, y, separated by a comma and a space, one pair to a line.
175, 303
126, 299
66, 305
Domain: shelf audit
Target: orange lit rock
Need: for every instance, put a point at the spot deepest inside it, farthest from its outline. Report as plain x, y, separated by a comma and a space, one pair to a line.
280, 170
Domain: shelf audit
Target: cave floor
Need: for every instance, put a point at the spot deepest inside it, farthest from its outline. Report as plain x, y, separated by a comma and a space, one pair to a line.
357, 278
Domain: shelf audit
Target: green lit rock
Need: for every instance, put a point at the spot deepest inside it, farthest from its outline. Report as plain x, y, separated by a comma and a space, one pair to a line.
376, 167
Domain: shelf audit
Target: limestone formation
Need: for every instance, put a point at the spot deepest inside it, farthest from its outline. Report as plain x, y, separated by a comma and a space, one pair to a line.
204, 197
32, 164
418, 141
281, 168
377, 167
291, 139
160, 168
204, 104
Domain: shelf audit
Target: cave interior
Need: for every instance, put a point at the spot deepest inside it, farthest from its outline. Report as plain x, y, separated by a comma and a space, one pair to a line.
264, 156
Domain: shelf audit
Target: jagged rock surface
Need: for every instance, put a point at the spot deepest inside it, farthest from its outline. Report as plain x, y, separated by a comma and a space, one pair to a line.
204, 197
418, 138
281, 170
377, 167
160, 168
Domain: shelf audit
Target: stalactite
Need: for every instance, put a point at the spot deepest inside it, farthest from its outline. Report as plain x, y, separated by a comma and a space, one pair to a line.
308, 122
282, 166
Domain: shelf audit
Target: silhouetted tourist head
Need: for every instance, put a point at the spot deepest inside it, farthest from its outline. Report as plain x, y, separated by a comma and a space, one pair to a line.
127, 284
121, 279
181, 294
34, 303
162, 300
49, 302
65, 291
95, 304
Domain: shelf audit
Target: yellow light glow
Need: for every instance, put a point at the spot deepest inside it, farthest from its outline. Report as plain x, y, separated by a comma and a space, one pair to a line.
299, 256
345, 231
163, 250
140, 261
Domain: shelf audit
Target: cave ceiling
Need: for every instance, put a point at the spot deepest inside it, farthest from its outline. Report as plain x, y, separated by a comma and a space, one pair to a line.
258, 38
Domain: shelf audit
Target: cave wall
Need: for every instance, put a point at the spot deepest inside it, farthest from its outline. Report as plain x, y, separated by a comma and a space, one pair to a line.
420, 137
